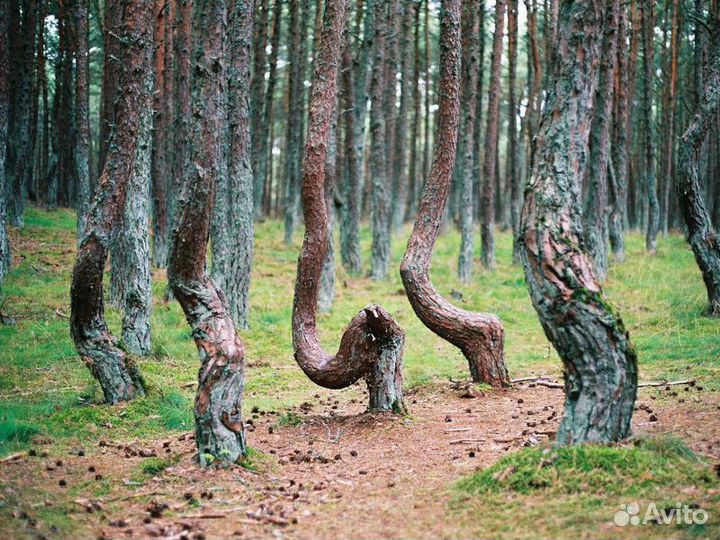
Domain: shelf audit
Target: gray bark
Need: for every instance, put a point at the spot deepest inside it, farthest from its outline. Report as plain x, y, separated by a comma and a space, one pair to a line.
5, 258
653, 222
82, 115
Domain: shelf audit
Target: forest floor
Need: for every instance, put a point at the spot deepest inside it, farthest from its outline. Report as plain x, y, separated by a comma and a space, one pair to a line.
465, 462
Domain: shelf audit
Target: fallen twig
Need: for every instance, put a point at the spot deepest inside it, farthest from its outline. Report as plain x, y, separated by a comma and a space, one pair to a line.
13, 457
666, 383
466, 441
60, 313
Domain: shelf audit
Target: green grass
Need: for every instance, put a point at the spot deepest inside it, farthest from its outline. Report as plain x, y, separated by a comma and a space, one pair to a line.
575, 492
45, 391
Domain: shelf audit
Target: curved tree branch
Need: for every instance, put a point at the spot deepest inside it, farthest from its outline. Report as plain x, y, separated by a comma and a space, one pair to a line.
372, 345
479, 336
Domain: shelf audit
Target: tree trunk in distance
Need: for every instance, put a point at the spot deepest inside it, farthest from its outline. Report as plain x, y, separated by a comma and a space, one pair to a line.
82, 114
5, 256
372, 345
479, 336
653, 224
701, 234
513, 172
240, 175
600, 363
117, 374
218, 403
487, 202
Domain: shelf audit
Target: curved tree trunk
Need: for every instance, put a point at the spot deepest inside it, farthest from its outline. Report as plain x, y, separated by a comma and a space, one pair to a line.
700, 232
115, 371
479, 336
372, 345
599, 361
218, 403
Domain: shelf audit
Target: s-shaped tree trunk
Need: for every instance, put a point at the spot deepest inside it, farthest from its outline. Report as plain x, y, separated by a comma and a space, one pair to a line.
599, 361
700, 232
115, 371
373, 343
479, 336
218, 403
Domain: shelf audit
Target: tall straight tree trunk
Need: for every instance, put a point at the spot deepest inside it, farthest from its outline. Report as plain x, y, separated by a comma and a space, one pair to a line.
355, 97
82, 114
400, 158
326, 294
595, 211
160, 133
263, 148
487, 201
653, 222
413, 194
478, 152
257, 83
297, 55
463, 177
428, 84
669, 123
239, 197
372, 345
181, 114
624, 97
600, 363
5, 258
113, 368
513, 173
479, 336
219, 431
20, 145
380, 261
701, 234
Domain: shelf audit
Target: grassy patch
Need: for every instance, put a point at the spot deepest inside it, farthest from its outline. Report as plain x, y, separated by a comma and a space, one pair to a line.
575, 492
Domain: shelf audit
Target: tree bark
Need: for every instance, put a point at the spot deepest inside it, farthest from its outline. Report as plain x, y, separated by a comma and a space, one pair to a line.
648, 26
595, 211
381, 207
513, 172
5, 257
82, 114
701, 234
466, 139
670, 89
257, 84
262, 155
479, 336
413, 194
600, 363
239, 220
20, 144
487, 202
372, 345
116, 372
218, 403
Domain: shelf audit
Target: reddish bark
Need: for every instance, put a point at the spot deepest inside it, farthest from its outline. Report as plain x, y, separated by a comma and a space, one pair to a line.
479, 336
372, 344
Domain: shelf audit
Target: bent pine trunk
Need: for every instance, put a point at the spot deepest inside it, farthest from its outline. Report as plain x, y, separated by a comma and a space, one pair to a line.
700, 232
115, 371
600, 363
373, 343
479, 336
218, 403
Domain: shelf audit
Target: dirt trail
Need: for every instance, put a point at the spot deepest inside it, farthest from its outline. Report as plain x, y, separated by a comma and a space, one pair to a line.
339, 473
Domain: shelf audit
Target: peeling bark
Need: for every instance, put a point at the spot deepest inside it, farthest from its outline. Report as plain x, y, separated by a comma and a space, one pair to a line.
479, 336
117, 374
701, 234
372, 345
218, 402
600, 363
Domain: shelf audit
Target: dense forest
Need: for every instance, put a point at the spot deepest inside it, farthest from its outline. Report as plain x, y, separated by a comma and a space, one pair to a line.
211, 158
